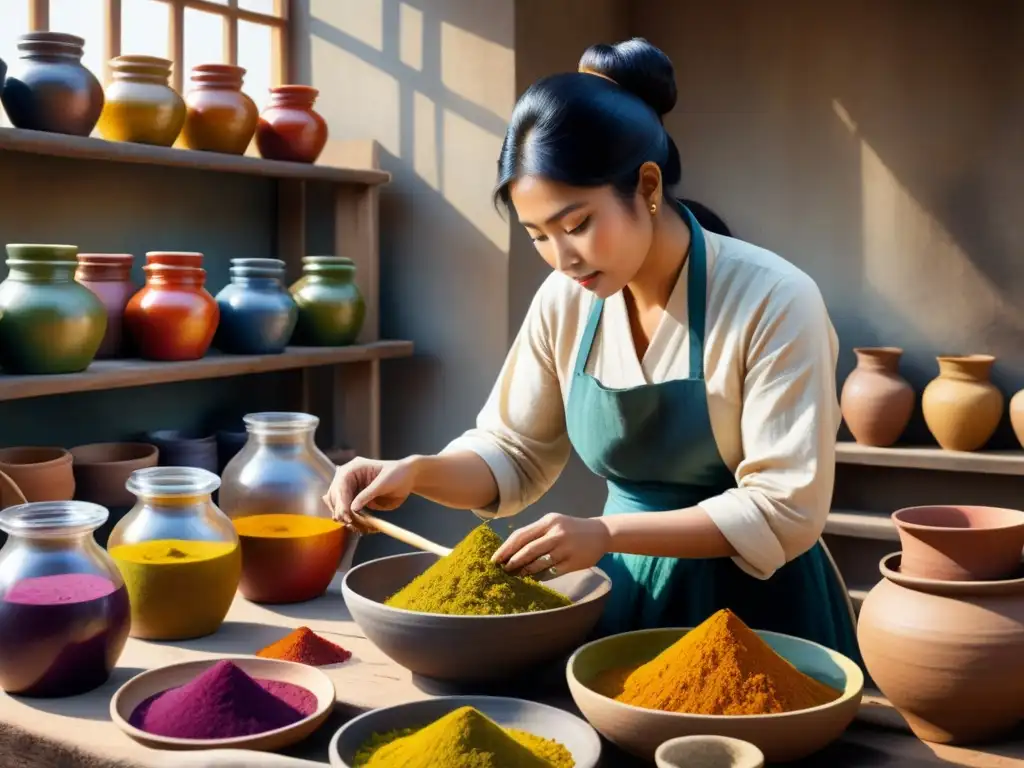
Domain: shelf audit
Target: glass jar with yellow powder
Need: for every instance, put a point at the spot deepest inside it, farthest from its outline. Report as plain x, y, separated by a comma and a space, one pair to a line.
273, 491
178, 553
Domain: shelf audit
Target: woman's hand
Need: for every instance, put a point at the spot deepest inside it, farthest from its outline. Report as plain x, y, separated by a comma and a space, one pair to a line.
377, 485
555, 541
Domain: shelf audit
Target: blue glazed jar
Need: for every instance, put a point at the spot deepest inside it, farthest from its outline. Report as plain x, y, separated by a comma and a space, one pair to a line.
257, 314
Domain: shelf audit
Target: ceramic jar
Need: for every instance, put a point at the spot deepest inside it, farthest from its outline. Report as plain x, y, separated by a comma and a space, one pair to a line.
64, 608
876, 401
140, 106
257, 314
280, 475
331, 308
48, 322
109, 276
220, 117
1017, 416
175, 258
962, 408
949, 655
48, 88
173, 317
289, 129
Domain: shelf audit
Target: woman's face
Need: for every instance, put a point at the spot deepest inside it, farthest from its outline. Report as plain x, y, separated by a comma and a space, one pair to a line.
589, 234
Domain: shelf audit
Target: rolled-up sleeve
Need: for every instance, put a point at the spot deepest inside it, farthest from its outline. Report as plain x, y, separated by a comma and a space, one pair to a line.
790, 418
520, 432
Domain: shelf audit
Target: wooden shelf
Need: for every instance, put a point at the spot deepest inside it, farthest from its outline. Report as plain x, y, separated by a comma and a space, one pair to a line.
932, 458
861, 525
118, 374
88, 148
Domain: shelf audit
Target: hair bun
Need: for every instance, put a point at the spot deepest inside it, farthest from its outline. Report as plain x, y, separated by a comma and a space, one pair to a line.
641, 68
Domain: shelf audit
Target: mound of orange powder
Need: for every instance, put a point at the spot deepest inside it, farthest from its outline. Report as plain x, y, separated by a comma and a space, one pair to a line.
306, 647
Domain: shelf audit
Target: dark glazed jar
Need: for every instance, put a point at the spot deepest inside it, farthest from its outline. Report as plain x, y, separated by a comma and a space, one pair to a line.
220, 117
48, 322
289, 129
331, 308
257, 314
109, 276
173, 317
49, 89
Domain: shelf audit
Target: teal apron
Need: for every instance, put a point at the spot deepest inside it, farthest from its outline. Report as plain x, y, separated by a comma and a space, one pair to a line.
655, 447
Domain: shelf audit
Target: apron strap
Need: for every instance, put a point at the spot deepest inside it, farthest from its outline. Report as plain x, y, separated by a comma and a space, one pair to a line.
583, 353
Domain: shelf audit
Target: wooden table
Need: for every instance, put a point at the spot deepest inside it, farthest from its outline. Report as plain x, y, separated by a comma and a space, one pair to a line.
77, 732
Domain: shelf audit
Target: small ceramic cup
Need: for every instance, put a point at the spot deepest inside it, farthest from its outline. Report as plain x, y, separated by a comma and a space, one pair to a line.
708, 752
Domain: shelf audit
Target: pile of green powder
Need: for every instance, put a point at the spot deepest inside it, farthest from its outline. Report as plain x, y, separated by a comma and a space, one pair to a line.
467, 583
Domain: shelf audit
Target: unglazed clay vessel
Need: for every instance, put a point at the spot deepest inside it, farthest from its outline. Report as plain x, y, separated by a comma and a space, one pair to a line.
331, 308
960, 543
876, 401
173, 317
141, 106
962, 408
109, 276
949, 655
289, 128
220, 117
1017, 416
706, 751
41, 473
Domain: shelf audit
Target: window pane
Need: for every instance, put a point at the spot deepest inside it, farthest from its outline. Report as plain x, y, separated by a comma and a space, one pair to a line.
204, 40
14, 14
145, 27
260, 6
87, 19
255, 53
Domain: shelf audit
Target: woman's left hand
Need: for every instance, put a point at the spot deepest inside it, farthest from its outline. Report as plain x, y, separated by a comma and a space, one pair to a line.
555, 541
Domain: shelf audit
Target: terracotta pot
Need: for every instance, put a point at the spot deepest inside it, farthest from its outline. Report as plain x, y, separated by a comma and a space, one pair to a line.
962, 407
109, 276
289, 128
960, 543
41, 473
331, 308
140, 106
172, 317
102, 469
175, 258
949, 655
876, 401
48, 323
220, 117
48, 88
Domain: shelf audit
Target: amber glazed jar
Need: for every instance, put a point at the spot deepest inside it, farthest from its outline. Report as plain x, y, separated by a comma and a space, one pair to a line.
220, 117
289, 129
109, 276
173, 317
140, 106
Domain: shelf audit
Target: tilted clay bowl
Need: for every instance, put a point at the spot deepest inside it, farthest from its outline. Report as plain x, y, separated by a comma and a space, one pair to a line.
708, 752
960, 543
468, 649
781, 737
539, 719
41, 473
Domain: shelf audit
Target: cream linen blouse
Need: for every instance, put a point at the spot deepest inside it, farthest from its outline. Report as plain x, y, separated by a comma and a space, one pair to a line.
769, 358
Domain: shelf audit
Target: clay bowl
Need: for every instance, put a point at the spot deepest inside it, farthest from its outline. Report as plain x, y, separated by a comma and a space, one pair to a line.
185, 448
154, 681
41, 473
539, 719
960, 543
10, 493
708, 752
468, 649
781, 737
102, 469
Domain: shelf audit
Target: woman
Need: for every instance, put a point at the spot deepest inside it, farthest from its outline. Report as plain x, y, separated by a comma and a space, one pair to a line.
692, 371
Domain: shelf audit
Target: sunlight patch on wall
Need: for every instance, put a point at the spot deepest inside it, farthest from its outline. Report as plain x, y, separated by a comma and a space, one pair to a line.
467, 152
361, 19
145, 28
477, 69
424, 147
410, 36
256, 53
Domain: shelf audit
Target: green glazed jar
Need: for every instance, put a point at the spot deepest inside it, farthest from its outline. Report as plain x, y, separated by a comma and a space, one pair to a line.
331, 308
48, 323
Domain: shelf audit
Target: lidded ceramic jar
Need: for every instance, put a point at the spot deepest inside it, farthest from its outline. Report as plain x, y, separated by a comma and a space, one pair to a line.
64, 608
962, 408
331, 308
876, 401
289, 128
273, 491
49, 89
140, 105
48, 323
220, 118
173, 317
257, 314
178, 554
109, 276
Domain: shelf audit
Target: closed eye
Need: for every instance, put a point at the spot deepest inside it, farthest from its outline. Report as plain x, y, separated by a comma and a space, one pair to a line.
581, 227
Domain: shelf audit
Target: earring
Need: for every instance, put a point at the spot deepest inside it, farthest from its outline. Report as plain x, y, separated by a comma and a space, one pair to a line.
654, 208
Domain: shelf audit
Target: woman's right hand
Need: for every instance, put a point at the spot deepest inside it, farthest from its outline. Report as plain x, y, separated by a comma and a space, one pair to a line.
369, 483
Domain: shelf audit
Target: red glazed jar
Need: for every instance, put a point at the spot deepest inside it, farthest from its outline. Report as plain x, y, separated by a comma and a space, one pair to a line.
289, 129
175, 258
220, 117
173, 317
109, 276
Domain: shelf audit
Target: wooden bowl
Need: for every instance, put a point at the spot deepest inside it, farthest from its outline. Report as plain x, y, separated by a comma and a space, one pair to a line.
781, 737
468, 649
153, 681
539, 719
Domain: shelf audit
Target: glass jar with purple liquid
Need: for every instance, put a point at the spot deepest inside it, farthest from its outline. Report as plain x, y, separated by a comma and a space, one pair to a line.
64, 610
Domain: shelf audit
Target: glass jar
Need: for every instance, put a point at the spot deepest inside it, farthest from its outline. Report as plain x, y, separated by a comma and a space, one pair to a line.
257, 314
178, 554
331, 308
273, 491
64, 608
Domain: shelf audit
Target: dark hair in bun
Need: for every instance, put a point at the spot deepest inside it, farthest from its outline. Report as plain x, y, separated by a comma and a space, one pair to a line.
595, 127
